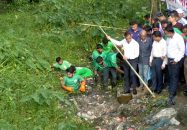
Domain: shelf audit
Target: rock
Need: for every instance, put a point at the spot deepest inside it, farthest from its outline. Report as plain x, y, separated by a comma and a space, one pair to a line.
86, 116
164, 118
123, 98
173, 121
167, 113
120, 126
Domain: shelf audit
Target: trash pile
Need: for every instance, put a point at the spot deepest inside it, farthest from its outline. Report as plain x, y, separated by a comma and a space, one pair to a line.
102, 109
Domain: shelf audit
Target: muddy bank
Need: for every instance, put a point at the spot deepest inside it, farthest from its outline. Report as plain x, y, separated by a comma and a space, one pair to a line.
103, 110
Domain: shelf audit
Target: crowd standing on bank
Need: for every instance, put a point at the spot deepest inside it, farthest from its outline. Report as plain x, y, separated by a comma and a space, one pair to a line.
156, 50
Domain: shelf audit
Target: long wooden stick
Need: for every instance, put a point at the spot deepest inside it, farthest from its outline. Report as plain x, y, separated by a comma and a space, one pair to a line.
131, 66
93, 25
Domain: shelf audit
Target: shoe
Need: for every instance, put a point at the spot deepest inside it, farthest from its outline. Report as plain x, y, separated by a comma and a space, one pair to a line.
185, 92
170, 102
159, 91
134, 91
113, 84
127, 92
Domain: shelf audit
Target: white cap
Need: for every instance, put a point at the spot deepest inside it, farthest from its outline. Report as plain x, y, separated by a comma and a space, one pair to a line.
180, 11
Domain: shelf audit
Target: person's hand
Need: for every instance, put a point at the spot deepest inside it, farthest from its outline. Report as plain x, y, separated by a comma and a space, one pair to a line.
124, 57
163, 67
174, 62
150, 63
108, 37
163, 57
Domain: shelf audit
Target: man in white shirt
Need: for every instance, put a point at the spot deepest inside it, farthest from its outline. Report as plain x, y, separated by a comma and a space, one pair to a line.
175, 53
131, 53
185, 59
158, 61
181, 15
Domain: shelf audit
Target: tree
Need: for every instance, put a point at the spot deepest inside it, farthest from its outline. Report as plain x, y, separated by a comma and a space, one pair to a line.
154, 6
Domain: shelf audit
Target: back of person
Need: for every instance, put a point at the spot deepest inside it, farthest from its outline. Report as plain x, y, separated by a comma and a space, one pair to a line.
107, 45
110, 59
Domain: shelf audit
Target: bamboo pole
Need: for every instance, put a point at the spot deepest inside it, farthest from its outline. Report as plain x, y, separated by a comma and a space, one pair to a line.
131, 66
93, 25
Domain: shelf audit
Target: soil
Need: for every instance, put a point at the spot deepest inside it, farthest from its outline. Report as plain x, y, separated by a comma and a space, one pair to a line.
102, 109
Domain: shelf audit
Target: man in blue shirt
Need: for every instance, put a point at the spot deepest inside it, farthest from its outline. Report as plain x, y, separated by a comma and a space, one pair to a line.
135, 30
145, 46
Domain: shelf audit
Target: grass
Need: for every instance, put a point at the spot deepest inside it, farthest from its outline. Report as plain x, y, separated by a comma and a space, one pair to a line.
24, 44
29, 92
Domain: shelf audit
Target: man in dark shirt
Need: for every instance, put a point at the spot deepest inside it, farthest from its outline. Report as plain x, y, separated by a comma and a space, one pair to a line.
145, 46
135, 30
173, 18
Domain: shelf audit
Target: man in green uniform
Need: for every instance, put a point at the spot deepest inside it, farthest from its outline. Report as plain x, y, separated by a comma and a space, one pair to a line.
63, 65
73, 82
84, 72
109, 65
96, 53
107, 45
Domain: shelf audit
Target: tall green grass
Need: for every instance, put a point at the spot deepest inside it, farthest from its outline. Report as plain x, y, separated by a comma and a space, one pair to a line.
31, 37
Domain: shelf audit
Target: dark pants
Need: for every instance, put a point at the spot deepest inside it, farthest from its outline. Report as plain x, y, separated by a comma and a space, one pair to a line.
173, 70
181, 71
165, 76
157, 74
106, 72
185, 70
130, 77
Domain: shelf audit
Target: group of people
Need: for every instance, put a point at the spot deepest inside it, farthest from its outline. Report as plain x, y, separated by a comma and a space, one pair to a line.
156, 50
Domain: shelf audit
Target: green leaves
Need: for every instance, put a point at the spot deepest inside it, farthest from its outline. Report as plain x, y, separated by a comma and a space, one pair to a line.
5, 125
44, 96
66, 126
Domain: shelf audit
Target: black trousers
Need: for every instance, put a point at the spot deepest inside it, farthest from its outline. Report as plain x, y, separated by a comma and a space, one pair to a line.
174, 70
157, 74
130, 77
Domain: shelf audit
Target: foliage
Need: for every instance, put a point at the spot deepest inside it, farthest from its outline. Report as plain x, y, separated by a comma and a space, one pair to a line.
31, 37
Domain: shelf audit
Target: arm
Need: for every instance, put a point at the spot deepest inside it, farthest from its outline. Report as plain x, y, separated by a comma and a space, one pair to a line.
119, 70
164, 58
69, 89
151, 57
181, 47
136, 50
82, 85
118, 43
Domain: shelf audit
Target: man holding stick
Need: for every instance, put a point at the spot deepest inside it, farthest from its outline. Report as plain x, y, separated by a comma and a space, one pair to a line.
131, 54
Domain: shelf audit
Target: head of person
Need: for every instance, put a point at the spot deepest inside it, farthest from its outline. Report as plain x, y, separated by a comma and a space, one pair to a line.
99, 48
143, 35
147, 18
180, 12
148, 30
128, 37
105, 41
155, 27
184, 30
134, 25
173, 16
155, 20
164, 24
160, 16
169, 31
157, 36
59, 60
70, 71
99, 60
